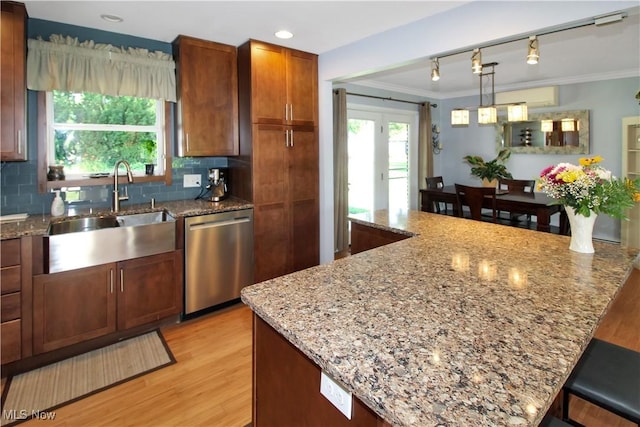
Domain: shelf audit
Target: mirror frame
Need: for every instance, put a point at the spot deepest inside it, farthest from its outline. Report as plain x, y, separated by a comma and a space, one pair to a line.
583, 134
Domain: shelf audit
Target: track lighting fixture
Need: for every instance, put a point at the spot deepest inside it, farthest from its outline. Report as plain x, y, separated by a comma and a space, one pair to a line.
435, 70
476, 61
533, 53
517, 111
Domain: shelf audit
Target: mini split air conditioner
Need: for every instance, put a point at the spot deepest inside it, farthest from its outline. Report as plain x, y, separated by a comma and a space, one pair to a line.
538, 97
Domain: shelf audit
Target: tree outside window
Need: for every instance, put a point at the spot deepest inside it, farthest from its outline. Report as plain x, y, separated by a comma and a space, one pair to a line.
90, 132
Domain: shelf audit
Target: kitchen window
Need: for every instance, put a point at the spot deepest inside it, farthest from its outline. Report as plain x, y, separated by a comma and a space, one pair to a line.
88, 133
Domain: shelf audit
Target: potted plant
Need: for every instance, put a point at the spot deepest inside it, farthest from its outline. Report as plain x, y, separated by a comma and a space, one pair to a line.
492, 170
149, 147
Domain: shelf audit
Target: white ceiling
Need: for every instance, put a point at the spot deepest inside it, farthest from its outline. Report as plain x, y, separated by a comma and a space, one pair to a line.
596, 52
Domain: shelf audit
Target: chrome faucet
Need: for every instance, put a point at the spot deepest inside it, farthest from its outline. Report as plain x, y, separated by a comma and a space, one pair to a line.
117, 198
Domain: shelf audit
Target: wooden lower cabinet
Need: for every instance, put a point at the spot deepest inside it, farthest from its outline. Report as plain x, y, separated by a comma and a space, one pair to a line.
11, 348
364, 238
286, 389
75, 306
150, 289
15, 291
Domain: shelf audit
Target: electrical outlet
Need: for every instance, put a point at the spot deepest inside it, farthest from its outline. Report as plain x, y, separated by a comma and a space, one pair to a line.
336, 394
192, 180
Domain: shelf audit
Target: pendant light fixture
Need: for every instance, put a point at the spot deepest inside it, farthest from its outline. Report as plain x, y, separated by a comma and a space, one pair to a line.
476, 61
517, 113
533, 53
459, 117
487, 115
568, 125
435, 70
546, 125
487, 110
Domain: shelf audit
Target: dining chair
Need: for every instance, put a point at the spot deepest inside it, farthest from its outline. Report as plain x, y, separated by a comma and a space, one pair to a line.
517, 186
474, 198
607, 376
435, 182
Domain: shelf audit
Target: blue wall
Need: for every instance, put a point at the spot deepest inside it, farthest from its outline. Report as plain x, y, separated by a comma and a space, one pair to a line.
19, 186
608, 101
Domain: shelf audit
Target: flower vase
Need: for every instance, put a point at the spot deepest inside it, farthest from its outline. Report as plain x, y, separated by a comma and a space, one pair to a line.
581, 230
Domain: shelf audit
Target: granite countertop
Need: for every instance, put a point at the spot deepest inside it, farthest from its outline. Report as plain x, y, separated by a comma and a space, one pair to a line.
37, 224
467, 323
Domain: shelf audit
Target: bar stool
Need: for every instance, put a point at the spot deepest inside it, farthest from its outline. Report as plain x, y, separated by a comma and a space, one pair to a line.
549, 421
608, 376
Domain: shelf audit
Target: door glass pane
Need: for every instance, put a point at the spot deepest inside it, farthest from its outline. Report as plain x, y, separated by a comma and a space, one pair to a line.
361, 148
398, 166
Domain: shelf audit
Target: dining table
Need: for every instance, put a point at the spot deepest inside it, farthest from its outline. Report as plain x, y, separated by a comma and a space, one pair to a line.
538, 204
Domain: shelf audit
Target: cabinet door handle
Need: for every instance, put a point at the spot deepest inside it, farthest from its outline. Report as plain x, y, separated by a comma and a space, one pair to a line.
19, 141
291, 138
286, 137
111, 279
286, 112
121, 280
187, 137
291, 112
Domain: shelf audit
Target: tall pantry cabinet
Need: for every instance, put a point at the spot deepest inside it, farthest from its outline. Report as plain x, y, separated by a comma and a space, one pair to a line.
278, 163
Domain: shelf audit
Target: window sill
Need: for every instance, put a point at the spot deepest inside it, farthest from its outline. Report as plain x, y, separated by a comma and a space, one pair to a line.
87, 182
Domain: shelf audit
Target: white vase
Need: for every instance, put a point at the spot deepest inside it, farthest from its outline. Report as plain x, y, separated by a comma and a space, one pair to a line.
581, 231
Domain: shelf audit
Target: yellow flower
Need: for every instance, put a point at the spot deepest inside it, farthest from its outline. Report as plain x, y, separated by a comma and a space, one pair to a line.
569, 176
588, 161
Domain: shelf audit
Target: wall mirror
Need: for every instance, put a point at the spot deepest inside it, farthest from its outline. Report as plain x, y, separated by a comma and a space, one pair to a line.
558, 132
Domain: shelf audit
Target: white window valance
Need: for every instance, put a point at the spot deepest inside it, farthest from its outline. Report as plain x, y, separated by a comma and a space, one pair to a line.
66, 64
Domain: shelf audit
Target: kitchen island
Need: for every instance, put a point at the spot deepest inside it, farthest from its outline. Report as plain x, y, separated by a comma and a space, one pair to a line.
466, 323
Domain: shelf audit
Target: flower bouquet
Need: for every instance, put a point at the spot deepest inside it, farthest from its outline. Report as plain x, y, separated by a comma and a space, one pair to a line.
586, 190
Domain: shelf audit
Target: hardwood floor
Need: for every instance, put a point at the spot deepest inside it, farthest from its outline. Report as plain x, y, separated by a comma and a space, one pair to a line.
211, 383
620, 326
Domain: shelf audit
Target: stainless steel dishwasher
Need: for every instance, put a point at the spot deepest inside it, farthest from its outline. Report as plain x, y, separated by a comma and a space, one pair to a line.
218, 258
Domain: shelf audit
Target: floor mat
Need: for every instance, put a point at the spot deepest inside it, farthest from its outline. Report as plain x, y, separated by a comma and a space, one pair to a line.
36, 393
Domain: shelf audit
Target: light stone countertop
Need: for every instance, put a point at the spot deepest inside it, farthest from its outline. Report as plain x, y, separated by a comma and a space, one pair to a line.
465, 324
37, 224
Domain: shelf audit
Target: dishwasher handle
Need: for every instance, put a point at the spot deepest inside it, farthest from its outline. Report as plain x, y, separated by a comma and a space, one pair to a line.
213, 224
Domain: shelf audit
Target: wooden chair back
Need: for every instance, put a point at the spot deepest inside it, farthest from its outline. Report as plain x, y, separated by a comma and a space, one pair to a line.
434, 182
474, 198
517, 185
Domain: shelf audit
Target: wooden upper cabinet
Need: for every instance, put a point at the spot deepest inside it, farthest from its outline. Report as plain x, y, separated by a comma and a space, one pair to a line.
302, 88
207, 80
13, 138
284, 84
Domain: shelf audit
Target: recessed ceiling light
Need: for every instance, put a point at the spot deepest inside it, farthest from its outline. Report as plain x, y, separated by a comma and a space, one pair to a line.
284, 34
111, 18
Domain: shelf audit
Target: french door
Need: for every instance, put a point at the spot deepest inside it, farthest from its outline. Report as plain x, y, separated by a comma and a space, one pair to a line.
382, 162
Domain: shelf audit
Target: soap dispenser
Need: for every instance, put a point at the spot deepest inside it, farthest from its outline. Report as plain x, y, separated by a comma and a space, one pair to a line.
57, 206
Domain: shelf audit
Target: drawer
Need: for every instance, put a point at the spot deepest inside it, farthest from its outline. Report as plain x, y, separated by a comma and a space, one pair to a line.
10, 279
9, 252
10, 307
10, 344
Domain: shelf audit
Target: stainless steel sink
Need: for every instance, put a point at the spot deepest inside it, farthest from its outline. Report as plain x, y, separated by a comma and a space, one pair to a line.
85, 242
82, 224
143, 219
